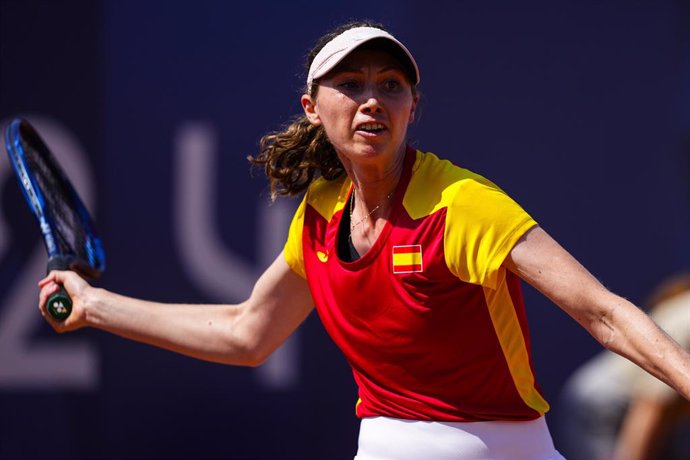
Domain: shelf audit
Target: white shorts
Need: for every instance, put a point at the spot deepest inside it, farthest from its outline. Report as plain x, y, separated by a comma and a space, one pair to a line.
382, 438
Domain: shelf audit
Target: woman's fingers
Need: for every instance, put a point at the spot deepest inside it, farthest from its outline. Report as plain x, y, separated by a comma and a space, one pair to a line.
49, 277
47, 289
73, 285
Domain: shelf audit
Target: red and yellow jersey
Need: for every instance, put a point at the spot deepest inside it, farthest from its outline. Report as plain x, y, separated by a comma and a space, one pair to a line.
432, 324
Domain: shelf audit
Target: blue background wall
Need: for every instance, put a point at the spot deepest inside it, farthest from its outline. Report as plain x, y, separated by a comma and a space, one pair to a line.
580, 110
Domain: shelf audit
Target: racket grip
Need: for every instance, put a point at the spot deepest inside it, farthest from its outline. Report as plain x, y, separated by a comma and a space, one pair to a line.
59, 305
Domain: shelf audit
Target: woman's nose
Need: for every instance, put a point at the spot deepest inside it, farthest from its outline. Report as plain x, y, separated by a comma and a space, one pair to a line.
371, 102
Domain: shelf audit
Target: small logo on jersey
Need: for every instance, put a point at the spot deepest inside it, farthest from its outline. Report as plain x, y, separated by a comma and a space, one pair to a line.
407, 259
323, 256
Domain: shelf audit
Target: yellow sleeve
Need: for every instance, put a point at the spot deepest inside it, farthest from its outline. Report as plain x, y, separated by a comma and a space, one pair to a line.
483, 224
294, 256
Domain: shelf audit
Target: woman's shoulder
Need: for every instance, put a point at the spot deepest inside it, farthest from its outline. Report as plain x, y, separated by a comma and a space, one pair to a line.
437, 183
328, 196
429, 166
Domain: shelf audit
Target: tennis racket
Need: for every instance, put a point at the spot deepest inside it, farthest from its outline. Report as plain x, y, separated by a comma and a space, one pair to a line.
68, 232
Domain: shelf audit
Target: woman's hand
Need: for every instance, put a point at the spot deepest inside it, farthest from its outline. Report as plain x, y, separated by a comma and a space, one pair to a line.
77, 289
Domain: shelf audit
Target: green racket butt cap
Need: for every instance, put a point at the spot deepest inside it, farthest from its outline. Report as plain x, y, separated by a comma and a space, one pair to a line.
59, 306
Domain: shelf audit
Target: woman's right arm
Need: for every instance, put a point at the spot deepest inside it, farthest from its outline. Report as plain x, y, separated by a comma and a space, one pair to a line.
244, 334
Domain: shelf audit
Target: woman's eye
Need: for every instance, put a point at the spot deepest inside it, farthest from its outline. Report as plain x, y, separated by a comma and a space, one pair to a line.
349, 85
391, 85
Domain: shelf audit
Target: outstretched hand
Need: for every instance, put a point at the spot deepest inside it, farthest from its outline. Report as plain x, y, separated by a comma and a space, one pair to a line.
77, 289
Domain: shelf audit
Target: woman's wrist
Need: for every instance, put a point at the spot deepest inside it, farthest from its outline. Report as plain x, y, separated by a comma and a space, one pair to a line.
93, 304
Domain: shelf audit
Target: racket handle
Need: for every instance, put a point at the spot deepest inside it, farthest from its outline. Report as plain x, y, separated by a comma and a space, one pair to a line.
59, 305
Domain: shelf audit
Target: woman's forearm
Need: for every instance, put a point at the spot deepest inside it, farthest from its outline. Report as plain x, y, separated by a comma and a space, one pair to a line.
202, 331
628, 331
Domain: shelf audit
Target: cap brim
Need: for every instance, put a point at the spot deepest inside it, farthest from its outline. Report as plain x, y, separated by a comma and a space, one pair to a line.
341, 46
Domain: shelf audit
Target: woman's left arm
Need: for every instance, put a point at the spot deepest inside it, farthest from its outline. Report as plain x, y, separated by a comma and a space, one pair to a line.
616, 323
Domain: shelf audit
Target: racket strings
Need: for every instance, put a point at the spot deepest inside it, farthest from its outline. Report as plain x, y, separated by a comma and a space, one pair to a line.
64, 209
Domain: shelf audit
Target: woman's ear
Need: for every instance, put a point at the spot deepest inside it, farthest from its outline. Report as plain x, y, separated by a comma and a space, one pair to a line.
415, 100
309, 106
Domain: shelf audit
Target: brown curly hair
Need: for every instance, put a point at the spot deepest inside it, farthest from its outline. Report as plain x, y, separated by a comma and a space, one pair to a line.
299, 153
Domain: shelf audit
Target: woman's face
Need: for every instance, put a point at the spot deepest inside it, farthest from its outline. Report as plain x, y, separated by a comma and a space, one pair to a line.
365, 105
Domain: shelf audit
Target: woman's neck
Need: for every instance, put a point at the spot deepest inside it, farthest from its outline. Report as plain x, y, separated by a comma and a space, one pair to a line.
374, 183
371, 200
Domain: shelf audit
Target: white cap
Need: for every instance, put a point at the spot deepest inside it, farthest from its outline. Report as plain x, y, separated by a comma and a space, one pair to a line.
337, 49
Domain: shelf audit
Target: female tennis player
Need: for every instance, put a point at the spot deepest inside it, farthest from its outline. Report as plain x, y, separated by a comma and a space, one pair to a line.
414, 266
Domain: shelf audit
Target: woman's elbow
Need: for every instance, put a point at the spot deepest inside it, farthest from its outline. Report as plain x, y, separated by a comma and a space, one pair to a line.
615, 321
256, 356
250, 350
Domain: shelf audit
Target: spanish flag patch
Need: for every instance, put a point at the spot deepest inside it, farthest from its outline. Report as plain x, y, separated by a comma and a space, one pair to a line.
407, 259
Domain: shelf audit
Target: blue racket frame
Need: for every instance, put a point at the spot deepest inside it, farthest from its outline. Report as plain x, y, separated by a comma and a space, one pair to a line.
95, 263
